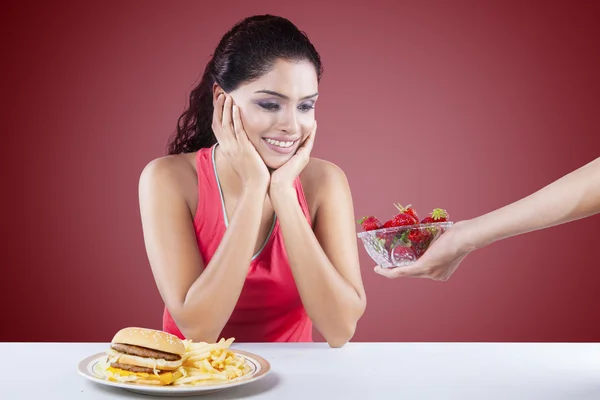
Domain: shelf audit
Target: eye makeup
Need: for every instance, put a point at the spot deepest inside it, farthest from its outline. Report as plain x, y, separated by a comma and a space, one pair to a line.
271, 105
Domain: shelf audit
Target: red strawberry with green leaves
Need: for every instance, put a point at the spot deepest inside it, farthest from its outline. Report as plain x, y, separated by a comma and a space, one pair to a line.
370, 223
401, 219
437, 215
407, 210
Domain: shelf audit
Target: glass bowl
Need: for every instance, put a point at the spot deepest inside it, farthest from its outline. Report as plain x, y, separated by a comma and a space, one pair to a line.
403, 245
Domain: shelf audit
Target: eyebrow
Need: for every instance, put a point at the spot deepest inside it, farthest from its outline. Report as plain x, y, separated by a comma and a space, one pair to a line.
284, 96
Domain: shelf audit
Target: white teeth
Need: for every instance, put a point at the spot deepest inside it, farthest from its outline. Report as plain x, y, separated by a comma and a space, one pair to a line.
278, 143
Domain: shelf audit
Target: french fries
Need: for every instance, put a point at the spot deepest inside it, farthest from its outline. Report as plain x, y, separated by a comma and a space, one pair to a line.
210, 363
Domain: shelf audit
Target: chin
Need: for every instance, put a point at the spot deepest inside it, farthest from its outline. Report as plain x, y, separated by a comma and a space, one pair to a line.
274, 163
274, 159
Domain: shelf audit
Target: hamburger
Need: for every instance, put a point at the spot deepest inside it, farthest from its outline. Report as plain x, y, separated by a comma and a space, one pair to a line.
144, 356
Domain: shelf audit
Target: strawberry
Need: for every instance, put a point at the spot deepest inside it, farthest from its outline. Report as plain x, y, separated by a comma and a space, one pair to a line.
437, 215
402, 255
395, 239
420, 241
407, 210
401, 219
417, 235
369, 223
387, 240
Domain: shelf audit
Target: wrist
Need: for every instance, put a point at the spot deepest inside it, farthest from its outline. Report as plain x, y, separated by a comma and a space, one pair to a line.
280, 183
470, 235
281, 194
254, 192
255, 185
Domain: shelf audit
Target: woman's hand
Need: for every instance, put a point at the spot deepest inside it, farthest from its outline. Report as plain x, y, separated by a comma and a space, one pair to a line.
440, 260
284, 176
235, 145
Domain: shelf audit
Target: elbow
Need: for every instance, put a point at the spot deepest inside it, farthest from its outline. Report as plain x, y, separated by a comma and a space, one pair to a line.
341, 337
191, 330
200, 336
345, 332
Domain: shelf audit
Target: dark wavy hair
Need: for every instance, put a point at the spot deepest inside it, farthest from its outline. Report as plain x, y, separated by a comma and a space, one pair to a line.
245, 53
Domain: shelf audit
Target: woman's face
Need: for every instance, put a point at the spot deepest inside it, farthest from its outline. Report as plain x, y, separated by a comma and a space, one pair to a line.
277, 110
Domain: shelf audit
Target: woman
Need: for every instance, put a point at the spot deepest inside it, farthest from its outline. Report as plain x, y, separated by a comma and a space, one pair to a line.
247, 235
570, 198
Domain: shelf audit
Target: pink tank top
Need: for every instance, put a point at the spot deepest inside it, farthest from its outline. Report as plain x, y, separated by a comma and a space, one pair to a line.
269, 308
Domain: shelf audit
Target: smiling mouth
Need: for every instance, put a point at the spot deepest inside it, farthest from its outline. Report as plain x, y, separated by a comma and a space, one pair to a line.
279, 143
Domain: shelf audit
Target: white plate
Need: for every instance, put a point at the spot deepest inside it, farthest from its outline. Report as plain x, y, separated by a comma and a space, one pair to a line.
90, 368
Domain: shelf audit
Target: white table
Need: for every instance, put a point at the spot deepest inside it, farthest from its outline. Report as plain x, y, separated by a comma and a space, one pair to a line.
481, 371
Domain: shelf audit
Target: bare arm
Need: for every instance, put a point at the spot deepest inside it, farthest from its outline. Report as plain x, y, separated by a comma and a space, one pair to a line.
573, 196
325, 262
199, 299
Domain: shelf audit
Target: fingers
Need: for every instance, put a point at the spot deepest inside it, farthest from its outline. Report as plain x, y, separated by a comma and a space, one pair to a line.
424, 267
391, 273
238, 127
218, 115
226, 122
417, 270
219, 107
310, 140
223, 124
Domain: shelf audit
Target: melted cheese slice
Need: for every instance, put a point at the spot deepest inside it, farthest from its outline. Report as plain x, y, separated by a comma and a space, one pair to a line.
166, 378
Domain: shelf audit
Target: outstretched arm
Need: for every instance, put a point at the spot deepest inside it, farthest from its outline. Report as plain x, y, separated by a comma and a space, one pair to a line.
572, 197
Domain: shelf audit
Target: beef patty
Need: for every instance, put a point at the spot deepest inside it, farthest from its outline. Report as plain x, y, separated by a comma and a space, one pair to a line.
132, 368
144, 352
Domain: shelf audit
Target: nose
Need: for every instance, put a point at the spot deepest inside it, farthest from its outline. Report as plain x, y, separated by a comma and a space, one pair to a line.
290, 123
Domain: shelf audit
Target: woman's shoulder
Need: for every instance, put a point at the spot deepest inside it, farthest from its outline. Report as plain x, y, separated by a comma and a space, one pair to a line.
320, 172
170, 169
172, 174
320, 178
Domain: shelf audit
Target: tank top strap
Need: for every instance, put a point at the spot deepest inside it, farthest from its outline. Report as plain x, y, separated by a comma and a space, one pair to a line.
302, 199
209, 197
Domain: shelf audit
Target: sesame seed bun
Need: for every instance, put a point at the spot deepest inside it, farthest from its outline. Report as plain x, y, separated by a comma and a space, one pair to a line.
144, 356
150, 339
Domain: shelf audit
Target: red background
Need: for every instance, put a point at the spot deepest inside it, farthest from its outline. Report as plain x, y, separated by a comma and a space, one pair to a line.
459, 105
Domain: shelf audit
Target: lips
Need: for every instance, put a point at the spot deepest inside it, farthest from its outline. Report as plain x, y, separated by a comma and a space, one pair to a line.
281, 144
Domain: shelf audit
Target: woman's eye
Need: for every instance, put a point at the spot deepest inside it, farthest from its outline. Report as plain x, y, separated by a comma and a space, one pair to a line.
269, 106
276, 106
306, 107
